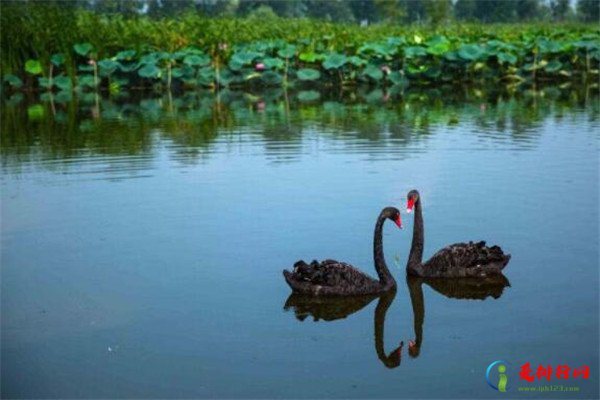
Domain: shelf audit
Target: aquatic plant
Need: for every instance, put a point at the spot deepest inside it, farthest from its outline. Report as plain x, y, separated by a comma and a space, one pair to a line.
114, 53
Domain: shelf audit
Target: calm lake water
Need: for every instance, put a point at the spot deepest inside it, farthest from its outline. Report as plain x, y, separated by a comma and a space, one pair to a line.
143, 241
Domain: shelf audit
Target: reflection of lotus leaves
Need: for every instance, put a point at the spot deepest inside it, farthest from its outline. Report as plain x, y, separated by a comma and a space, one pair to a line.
308, 95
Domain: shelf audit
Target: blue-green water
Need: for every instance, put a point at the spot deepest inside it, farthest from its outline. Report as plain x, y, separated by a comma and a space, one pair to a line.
143, 242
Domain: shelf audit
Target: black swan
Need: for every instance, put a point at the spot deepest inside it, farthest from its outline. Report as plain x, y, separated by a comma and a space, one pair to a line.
334, 278
461, 289
459, 260
333, 308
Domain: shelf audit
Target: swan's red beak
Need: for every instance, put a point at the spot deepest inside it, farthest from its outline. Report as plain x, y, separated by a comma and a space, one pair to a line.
398, 221
409, 205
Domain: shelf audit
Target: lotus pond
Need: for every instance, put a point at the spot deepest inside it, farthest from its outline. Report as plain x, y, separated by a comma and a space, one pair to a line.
85, 52
143, 238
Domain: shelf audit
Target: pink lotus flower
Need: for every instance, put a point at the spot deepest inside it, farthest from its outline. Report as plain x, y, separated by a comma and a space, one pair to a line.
223, 46
386, 70
259, 67
91, 62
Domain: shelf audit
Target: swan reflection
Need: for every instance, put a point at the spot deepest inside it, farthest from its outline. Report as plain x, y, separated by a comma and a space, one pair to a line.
462, 289
333, 308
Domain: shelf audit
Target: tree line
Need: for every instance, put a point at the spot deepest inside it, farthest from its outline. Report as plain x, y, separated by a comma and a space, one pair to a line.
354, 11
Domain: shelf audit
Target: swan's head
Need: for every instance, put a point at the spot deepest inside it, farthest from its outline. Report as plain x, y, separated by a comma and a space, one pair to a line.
394, 214
411, 198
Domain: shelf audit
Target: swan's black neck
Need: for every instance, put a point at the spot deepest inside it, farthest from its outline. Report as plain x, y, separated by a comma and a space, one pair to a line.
385, 277
415, 258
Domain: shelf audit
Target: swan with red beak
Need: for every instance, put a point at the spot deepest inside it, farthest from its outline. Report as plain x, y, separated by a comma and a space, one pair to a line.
458, 260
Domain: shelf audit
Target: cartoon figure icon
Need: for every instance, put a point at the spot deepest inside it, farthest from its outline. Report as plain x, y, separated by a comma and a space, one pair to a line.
503, 378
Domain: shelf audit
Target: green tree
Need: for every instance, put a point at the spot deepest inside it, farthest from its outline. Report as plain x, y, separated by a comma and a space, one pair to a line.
560, 9
527, 9
495, 11
438, 11
338, 11
364, 10
465, 9
127, 8
415, 10
588, 10
390, 10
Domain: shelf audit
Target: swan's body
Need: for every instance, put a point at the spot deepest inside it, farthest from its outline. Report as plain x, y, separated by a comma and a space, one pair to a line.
459, 260
334, 278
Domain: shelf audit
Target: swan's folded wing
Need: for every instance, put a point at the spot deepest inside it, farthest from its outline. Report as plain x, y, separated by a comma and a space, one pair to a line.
330, 273
467, 259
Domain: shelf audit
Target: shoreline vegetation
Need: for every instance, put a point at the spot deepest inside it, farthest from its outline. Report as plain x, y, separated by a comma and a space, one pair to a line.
56, 49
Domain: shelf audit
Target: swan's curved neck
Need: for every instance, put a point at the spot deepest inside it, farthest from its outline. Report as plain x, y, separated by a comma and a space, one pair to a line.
415, 257
385, 277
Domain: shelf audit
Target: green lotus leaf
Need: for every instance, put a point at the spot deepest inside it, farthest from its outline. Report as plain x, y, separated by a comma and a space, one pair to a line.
397, 78
271, 78
553, 66
86, 81
245, 57
357, 61
45, 82
235, 64
308, 74
373, 72
83, 48
150, 71
225, 77
63, 82
34, 67
310, 57
308, 95
46, 97
128, 67
196, 60
107, 66
274, 63
206, 76
433, 72
57, 59
546, 46
85, 68
415, 51
451, 56
150, 58
126, 55
287, 52
438, 45
36, 111
471, 52
13, 80
334, 61
507, 58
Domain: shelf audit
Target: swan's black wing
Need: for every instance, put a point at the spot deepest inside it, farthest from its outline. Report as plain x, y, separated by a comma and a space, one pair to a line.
466, 260
329, 278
